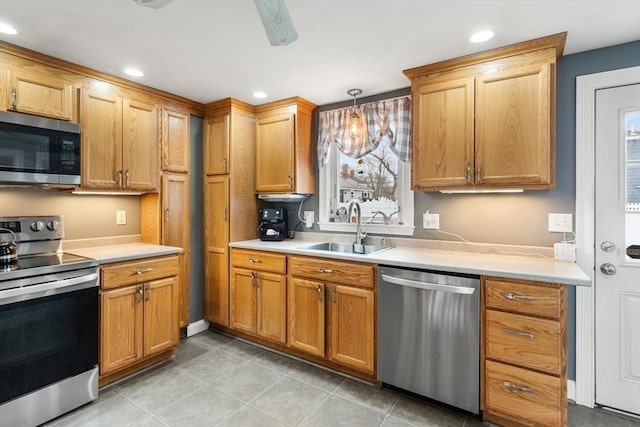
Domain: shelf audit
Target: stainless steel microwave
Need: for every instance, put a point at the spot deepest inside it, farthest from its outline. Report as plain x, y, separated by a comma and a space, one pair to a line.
38, 150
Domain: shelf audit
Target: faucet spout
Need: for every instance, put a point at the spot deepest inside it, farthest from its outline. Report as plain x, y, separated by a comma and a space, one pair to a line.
360, 235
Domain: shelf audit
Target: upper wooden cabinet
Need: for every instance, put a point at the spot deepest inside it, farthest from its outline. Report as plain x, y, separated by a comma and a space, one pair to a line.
486, 120
216, 156
175, 141
119, 142
39, 93
284, 152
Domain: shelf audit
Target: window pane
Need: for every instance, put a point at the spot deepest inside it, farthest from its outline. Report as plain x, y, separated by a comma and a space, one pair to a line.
632, 179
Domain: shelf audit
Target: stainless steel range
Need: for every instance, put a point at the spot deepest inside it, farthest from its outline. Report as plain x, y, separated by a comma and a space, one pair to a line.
48, 325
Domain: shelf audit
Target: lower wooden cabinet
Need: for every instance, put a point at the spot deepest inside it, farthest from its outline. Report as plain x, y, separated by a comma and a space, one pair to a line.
138, 314
318, 290
525, 362
258, 298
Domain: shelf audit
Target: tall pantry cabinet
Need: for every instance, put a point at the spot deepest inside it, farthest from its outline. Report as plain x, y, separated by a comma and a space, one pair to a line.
165, 216
230, 210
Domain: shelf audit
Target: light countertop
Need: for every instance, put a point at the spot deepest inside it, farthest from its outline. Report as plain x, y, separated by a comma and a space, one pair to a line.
124, 252
535, 268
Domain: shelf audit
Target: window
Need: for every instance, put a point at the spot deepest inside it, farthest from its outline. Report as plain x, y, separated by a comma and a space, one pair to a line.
372, 168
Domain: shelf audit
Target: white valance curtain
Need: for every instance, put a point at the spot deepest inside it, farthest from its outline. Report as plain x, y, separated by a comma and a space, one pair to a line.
378, 120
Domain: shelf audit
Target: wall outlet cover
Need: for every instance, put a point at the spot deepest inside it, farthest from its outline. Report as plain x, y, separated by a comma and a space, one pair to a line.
430, 221
308, 218
121, 217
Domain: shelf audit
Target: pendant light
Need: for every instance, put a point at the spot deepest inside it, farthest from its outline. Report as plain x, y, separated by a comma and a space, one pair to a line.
354, 121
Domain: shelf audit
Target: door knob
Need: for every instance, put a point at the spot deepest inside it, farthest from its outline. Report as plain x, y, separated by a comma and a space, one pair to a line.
608, 269
607, 246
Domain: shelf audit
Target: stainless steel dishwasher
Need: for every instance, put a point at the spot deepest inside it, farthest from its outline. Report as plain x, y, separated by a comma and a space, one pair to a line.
428, 335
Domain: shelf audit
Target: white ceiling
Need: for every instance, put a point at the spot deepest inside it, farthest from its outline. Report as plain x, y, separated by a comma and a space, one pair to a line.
206, 50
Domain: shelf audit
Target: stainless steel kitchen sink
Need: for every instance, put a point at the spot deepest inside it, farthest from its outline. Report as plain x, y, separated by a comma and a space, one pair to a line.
348, 248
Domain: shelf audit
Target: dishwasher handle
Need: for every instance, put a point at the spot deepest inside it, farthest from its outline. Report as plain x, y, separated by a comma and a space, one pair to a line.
428, 286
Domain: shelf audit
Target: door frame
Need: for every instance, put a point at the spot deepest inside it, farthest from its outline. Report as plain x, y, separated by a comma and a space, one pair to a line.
586, 87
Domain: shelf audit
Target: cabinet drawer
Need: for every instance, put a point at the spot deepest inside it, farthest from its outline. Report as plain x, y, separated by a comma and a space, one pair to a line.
526, 341
539, 299
328, 270
138, 271
523, 395
262, 261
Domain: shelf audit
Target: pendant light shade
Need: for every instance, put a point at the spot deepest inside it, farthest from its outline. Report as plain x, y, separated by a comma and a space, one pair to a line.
354, 120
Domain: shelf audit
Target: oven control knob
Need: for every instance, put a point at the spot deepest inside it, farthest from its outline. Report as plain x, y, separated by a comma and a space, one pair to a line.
37, 225
53, 225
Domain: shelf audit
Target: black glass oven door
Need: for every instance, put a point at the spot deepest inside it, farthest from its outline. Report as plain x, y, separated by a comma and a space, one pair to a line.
47, 339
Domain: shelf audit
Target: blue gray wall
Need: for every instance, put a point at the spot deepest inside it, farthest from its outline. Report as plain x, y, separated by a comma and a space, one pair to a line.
196, 222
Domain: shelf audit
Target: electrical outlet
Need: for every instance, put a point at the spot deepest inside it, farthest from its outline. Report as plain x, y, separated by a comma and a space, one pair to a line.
560, 223
430, 221
308, 218
121, 217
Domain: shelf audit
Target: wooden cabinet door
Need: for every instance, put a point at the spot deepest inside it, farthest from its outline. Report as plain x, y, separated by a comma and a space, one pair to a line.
161, 329
120, 328
216, 149
216, 288
443, 135
175, 141
306, 310
243, 300
101, 118
351, 317
140, 146
36, 93
275, 158
271, 315
513, 135
175, 232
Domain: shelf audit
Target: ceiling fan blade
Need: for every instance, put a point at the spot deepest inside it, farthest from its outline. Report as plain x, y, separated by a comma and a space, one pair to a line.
277, 22
154, 4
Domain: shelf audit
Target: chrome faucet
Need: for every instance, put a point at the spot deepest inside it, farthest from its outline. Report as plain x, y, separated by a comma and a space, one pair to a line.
360, 235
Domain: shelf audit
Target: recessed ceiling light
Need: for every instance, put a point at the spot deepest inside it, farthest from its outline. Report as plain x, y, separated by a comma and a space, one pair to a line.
7, 29
133, 72
481, 36
259, 94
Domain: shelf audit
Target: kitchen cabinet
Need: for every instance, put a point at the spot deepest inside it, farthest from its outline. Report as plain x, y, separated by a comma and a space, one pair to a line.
258, 294
486, 120
175, 141
344, 293
40, 92
231, 212
138, 315
284, 152
119, 142
525, 346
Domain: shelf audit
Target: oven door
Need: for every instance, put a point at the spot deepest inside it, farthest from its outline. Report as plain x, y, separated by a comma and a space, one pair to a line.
48, 332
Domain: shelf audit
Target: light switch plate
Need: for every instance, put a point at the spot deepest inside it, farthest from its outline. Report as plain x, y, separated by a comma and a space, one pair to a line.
560, 223
121, 217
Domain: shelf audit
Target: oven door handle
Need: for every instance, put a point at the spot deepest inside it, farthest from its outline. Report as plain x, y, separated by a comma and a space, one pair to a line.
50, 288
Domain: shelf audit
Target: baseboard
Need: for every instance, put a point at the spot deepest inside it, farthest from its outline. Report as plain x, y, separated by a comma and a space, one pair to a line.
571, 390
197, 327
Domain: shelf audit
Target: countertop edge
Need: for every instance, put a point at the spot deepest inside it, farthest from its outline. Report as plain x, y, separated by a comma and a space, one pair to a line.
125, 252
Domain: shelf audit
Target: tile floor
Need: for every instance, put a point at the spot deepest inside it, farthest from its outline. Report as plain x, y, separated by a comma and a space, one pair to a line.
217, 380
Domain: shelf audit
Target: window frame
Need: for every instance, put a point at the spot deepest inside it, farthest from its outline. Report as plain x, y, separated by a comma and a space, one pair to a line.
328, 190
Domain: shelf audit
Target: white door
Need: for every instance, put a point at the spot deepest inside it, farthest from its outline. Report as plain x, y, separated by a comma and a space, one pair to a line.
617, 276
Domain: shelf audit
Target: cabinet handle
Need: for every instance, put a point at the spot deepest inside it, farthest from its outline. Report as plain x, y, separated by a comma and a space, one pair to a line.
333, 295
519, 333
468, 173
147, 293
140, 295
166, 214
290, 182
224, 214
254, 279
325, 270
319, 292
120, 178
14, 101
166, 160
127, 178
512, 296
144, 270
478, 175
224, 161
513, 386
254, 260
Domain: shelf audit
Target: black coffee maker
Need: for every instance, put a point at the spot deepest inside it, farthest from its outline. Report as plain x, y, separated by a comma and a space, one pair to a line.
273, 224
